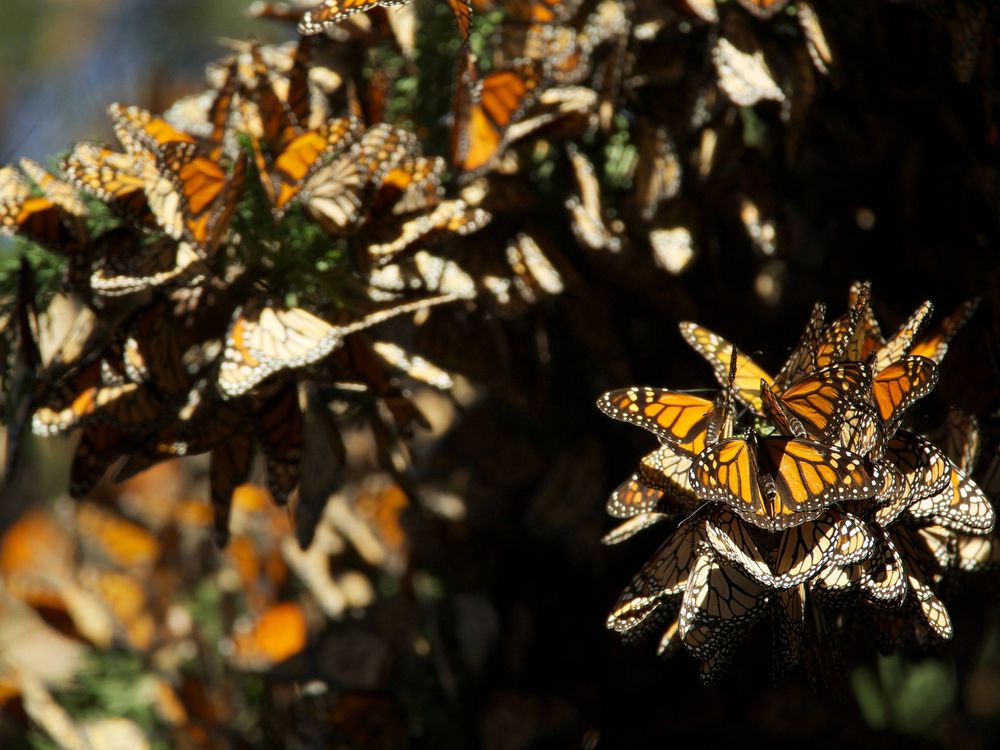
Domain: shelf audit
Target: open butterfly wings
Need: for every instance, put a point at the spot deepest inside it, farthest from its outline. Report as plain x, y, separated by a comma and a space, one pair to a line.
778, 483
485, 110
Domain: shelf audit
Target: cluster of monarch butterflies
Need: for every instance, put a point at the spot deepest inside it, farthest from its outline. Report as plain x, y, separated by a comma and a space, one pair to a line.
802, 494
204, 332
121, 575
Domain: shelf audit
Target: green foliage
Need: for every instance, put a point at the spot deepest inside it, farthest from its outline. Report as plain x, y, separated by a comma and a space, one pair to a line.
112, 683
905, 696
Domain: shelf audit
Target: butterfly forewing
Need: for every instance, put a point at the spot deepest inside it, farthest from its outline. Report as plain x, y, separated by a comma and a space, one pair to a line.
719, 352
679, 418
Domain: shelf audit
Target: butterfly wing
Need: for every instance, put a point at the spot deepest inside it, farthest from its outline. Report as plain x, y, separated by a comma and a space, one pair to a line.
678, 418
719, 352
935, 344
899, 385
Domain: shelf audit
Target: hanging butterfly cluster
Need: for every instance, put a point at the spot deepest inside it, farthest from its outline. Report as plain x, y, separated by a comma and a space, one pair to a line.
230, 255
818, 500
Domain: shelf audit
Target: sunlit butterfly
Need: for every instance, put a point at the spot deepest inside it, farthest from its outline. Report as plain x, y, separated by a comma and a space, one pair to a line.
744, 76
113, 177
777, 482
274, 636
485, 110
586, 210
746, 385
899, 385
332, 12
450, 217
264, 340
800, 552
815, 405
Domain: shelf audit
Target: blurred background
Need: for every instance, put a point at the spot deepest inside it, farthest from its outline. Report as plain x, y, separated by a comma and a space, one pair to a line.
65, 61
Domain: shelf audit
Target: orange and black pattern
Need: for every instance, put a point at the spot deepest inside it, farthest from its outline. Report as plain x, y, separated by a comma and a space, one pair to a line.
820, 496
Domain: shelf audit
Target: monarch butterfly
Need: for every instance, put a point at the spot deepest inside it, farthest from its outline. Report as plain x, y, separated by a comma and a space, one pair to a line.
924, 467
40, 220
587, 220
57, 191
191, 196
919, 552
899, 385
153, 352
332, 12
881, 577
801, 552
815, 405
669, 469
816, 43
900, 342
264, 340
414, 185
114, 540
744, 76
746, 385
485, 110
962, 440
448, 217
789, 613
534, 274
867, 333
631, 527
413, 365
115, 178
764, 8
279, 427
859, 430
717, 596
777, 483
334, 194
663, 577
305, 153
134, 268
421, 270
935, 344
274, 636
188, 192
686, 421
83, 397
658, 172
854, 543
975, 552
125, 598
961, 506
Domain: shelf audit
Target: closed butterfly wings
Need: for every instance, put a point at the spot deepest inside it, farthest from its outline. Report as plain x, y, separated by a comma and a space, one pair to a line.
189, 193
264, 340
